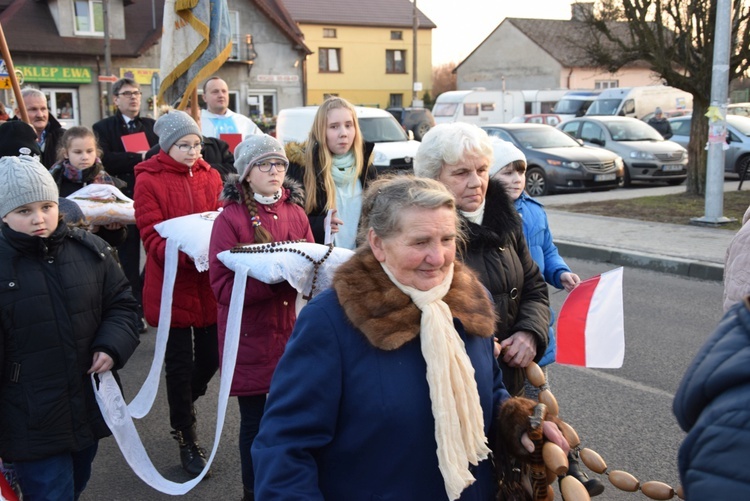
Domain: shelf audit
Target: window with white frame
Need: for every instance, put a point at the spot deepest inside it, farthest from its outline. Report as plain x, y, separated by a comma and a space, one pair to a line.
89, 17
606, 84
395, 61
234, 24
329, 60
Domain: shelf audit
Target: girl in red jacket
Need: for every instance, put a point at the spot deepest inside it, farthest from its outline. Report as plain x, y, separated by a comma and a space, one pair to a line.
177, 182
258, 208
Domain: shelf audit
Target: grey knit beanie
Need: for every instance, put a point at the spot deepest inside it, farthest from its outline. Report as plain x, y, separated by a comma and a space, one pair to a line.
173, 126
254, 149
24, 180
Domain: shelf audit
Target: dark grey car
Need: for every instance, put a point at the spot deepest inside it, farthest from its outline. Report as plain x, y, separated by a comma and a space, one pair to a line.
737, 156
557, 162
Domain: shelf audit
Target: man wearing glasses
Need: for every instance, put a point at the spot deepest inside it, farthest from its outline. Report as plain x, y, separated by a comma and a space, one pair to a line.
119, 162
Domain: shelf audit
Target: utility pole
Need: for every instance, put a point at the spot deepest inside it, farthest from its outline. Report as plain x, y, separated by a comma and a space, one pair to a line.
717, 123
107, 53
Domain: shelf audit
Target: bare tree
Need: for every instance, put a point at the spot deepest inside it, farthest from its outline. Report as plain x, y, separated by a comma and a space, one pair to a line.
676, 38
443, 79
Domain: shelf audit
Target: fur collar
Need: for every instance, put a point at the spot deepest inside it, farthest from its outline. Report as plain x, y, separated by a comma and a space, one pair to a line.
232, 192
500, 221
388, 318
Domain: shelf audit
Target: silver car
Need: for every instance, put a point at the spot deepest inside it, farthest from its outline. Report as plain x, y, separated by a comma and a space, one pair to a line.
647, 155
737, 157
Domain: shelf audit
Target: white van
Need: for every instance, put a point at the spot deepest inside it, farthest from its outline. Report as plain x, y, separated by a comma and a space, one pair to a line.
479, 107
638, 101
393, 148
574, 103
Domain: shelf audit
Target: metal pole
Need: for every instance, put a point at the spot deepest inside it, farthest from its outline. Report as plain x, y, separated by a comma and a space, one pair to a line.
415, 26
5, 53
717, 125
107, 53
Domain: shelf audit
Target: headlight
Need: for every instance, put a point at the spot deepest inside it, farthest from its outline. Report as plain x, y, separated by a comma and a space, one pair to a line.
380, 158
642, 155
564, 163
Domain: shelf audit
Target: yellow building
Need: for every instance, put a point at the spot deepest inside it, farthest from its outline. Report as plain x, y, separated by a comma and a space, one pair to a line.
364, 51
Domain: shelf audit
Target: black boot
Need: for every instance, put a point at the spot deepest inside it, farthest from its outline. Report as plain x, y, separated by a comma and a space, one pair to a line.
593, 485
192, 456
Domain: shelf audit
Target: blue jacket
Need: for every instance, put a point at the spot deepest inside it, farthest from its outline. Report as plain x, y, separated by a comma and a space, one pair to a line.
711, 405
544, 252
349, 415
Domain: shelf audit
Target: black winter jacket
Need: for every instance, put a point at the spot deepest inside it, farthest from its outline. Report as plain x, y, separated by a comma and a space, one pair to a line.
497, 252
52, 142
295, 152
116, 160
62, 299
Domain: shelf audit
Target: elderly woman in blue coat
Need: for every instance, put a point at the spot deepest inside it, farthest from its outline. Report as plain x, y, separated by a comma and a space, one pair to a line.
388, 385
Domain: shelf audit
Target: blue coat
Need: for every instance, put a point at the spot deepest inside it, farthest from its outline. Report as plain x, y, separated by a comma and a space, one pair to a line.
711, 404
544, 252
346, 420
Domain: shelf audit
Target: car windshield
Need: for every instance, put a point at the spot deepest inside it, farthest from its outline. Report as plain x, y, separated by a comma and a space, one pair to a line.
604, 107
568, 106
444, 109
634, 130
742, 124
382, 130
543, 137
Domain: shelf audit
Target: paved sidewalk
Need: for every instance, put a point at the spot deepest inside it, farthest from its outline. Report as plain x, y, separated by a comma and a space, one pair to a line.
687, 250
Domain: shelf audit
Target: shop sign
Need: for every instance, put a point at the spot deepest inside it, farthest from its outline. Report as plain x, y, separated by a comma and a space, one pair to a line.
56, 74
142, 76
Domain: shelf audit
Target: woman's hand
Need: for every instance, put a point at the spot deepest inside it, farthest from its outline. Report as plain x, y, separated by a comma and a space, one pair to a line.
551, 433
519, 349
569, 280
101, 363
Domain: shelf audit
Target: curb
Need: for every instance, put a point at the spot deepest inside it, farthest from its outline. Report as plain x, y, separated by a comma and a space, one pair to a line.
664, 264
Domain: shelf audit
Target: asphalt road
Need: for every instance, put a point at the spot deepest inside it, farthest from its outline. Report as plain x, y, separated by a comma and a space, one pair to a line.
625, 415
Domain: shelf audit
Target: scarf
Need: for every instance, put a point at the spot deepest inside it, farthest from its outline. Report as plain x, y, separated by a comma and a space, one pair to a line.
459, 423
268, 200
84, 176
348, 198
477, 216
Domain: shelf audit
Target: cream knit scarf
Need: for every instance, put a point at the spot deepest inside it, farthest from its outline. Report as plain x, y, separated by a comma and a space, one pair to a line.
459, 423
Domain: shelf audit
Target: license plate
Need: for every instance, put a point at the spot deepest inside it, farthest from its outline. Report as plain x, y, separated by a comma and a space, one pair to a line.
605, 177
671, 168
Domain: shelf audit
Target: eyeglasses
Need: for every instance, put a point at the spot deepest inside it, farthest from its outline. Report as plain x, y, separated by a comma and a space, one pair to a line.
130, 94
266, 166
187, 147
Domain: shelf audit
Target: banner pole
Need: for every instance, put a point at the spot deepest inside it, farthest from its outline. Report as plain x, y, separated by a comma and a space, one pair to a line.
5, 52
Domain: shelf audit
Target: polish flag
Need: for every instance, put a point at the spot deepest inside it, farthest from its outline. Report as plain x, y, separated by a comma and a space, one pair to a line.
590, 328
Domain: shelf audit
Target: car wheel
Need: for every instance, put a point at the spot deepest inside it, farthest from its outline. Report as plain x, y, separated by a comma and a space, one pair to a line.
742, 164
625, 181
420, 130
536, 182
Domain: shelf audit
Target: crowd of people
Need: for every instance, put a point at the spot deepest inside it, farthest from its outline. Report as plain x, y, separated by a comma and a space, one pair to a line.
424, 335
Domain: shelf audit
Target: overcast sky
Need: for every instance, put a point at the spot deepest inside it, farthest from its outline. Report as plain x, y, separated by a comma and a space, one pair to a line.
464, 24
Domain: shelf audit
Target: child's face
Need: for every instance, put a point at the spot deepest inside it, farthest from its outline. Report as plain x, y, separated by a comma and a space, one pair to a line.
38, 219
512, 180
340, 131
82, 152
267, 183
192, 144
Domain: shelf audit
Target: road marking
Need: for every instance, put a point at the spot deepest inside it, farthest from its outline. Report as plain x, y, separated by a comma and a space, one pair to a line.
622, 381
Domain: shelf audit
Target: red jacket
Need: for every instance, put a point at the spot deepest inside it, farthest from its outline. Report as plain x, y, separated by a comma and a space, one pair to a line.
166, 189
268, 315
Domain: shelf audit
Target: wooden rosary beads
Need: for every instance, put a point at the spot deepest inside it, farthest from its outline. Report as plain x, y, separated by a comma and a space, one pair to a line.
557, 462
274, 247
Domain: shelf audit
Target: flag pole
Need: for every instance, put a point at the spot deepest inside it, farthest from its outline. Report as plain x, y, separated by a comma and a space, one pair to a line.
5, 52
194, 110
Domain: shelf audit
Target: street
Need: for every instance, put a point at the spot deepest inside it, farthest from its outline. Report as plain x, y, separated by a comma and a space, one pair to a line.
625, 415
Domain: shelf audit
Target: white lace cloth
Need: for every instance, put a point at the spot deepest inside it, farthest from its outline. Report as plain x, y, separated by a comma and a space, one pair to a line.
104, 204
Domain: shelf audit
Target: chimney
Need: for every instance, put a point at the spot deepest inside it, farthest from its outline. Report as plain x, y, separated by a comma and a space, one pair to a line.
579, 11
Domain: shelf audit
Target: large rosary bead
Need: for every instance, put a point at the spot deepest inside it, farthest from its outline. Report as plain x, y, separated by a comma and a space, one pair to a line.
547, 398
624, 481
535, 375
570, 434
573, 490
593, 461
555, 458
657, 490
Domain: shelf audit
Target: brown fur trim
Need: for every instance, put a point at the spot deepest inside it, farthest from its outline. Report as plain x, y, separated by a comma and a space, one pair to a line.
295, 152
387, 316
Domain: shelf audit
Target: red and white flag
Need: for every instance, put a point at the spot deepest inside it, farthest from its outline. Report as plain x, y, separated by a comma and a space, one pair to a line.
590, 327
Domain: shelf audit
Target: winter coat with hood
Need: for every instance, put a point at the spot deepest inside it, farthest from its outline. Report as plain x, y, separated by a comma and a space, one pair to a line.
268, 314
166, 189
295, 152
497, 252
737, 265
63, 299
349, 415
711, 406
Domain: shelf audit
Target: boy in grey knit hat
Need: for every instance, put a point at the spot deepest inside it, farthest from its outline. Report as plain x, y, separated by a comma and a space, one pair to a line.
28, 196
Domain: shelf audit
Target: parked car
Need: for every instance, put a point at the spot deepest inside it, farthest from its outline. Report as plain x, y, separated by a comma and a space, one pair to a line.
667, 114
737, 156
741, 109
393, 148
575, 103
537, 118
647, 155
416, 120
557, 162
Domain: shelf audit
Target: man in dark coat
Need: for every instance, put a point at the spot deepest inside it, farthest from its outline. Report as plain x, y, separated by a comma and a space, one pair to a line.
48, 130
119, 162
661, 124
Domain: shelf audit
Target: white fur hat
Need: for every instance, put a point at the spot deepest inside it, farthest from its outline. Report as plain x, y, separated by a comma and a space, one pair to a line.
504, 152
